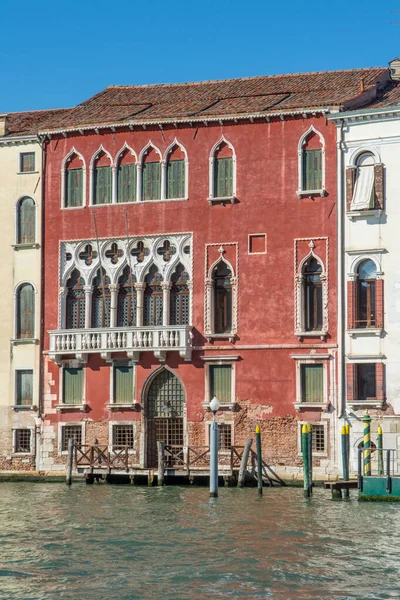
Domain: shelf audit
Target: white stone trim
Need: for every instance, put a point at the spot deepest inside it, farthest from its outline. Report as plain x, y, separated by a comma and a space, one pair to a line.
122, 363
325, 423
313, 359
209, 292
300, 191
111, 425
81, 424
207, 380
14, 429
72, 152
78, 364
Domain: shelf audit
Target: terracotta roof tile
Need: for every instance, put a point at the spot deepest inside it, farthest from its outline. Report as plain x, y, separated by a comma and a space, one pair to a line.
29, 123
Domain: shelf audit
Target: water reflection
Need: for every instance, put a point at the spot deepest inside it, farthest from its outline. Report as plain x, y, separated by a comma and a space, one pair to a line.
110, 542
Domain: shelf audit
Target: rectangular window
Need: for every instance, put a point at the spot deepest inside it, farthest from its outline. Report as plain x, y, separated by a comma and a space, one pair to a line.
312, 383
102, 185
312, 169
27, 162
126, 183
22, 440
151, 181
122, 435
366, 381
74, 188
24, 388
176, 179
73, 385
318, 438
223, 177
123, 384
221, 382
224, 436
70, 431
257, 243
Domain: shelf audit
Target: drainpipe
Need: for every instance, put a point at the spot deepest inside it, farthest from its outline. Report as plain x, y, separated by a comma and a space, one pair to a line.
340, 270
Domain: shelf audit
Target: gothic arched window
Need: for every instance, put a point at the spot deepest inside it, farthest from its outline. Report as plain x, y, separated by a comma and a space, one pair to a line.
153, 298
366, 295
223, 171
102, 180
151, 176
312, 271
222, 287
25, 325
75, 303
74, 182
126, 178
176, 173
126, 308
26, 221
179, 298
101, 300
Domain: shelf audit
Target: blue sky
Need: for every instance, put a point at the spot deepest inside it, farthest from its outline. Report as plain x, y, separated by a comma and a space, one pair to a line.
56, 54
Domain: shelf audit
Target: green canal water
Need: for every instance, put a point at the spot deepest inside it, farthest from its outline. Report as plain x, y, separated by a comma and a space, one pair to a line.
121, 542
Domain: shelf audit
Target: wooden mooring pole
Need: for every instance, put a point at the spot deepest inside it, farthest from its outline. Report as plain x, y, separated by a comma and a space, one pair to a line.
70, 460
380, 451
345, 460
161, 463
306, 460
259, 460
243, 463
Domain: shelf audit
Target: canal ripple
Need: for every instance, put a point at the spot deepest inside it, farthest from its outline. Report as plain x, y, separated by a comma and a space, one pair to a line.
125, 543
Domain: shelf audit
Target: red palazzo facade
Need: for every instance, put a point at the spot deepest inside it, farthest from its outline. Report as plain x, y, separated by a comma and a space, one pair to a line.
190, 252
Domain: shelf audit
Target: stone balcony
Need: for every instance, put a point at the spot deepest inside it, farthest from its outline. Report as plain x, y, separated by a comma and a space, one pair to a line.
122, 341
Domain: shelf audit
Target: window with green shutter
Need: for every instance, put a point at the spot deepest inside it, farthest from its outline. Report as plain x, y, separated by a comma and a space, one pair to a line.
176, 179
312, 383
221, 382
126, 183
223, 177
151, 181
26, 221
312, 169
25, 312
123, 384
73, 188
24, 388
102, 185
73, 385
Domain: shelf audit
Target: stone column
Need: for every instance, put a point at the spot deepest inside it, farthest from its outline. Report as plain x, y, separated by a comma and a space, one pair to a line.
139, 303
114, 300
88, 306
166, 287
163, 180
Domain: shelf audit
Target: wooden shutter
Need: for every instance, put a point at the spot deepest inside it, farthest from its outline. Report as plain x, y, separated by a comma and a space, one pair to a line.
350, 178
74, 188
102, 185
151, 181
25, 311
26, 221
223, 177
221, 382
126, 183
312, 170
176, 179
378, 187
123, 384
24, 388
379, 305
312, 383
351, 304
73, 385
380, 381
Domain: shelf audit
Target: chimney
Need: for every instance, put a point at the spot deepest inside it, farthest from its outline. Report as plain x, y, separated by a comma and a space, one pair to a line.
3, 124
394, 69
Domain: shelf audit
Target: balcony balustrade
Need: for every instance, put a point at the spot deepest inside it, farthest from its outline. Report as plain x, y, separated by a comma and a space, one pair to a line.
78, 343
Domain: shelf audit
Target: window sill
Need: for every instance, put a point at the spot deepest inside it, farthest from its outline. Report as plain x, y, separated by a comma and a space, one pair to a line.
33, 246
73, 207
366, 403
372, 331
220, 336
364, 214
312, 405
222, 200
20, 407
71, 407
222, 406
311, 193
116, 406
309, 334
21, 341
21, 454
27, 172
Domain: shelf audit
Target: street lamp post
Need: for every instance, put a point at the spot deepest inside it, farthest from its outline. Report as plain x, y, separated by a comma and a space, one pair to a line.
214, 406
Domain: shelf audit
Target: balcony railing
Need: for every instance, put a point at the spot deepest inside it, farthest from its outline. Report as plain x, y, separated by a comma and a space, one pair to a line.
79, 343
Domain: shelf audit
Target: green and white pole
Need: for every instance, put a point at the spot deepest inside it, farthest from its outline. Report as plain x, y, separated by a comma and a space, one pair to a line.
379, 439
367, 443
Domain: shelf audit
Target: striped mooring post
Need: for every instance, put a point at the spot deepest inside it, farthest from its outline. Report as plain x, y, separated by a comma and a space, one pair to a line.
379, 439
306, 460
367, 443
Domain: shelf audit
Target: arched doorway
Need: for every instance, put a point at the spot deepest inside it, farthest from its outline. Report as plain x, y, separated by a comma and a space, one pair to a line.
164, 409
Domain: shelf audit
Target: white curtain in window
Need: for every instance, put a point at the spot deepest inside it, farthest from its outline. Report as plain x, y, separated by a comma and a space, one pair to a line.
363, 196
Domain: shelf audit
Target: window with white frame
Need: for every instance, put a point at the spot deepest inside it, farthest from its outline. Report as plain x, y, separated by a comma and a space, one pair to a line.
319, 438
220, 382
24, 387
73, 180
27, 162
311, 380
22, 441
123, 436
224, 436
25, 312
73, 385
222, 172
123, 382
26, 212
73, 432
311, 166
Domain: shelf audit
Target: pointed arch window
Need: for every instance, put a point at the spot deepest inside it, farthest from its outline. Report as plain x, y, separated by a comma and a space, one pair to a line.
75, 308
101, 300
126, 178
176, 173
25, 314
26, 221
74, 182
366, 295
313, 313
102, 180
222, 287
151, 176
180, 297
364, 184
311, 164
153, 298
126, 308
223, 171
